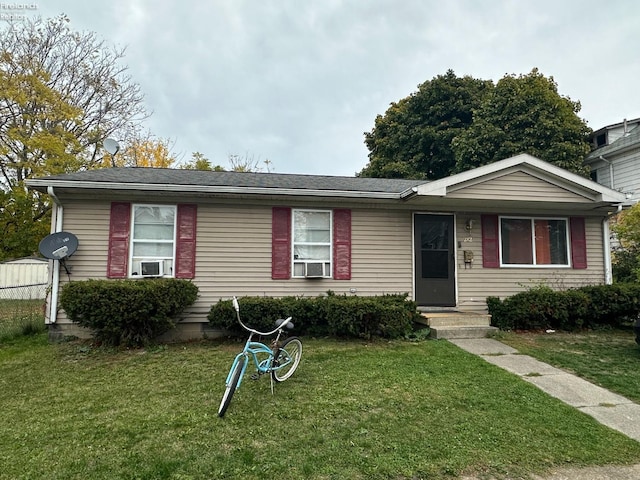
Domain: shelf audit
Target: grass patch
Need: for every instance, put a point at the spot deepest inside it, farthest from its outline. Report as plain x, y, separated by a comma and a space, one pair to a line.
387, 410
608, 358
21, 317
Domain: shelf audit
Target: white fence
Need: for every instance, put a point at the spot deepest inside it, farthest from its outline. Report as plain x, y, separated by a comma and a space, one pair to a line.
24, 279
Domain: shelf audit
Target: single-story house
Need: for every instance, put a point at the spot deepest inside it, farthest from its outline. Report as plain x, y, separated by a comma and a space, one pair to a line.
449, 243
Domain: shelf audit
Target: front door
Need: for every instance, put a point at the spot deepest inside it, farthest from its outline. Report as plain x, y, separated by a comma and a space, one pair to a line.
434, 260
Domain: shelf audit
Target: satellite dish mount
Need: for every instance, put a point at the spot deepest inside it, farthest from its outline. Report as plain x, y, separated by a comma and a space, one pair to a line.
112, 147
59, 246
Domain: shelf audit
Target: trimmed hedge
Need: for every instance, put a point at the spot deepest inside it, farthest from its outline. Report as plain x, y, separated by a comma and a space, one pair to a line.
388, 316
585, 307
127, 312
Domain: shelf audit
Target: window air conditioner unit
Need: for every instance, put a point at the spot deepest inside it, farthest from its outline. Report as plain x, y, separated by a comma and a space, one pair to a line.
154, 268
314, 270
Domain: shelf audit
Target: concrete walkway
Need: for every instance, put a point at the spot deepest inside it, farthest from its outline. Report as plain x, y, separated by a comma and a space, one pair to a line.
610, 409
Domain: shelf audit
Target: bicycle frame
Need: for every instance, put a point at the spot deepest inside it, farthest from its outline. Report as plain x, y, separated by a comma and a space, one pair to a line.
252, 350
274, 359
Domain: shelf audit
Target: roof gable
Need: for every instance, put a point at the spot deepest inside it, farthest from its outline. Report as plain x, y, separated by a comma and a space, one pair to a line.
520, 185
538, 176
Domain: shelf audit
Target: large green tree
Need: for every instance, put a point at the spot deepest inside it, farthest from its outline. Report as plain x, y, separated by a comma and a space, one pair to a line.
626, 255
413, 138
61, 94
525, 114
453, 124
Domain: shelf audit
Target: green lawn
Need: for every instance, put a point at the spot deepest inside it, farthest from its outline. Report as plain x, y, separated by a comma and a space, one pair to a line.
353, 410
18, 317
609, 358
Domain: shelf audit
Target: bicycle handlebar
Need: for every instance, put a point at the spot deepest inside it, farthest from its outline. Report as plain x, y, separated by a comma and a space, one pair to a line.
236, 306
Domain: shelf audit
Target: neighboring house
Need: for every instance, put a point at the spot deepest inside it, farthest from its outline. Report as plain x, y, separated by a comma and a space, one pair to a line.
449, 244
615, 160
24, 279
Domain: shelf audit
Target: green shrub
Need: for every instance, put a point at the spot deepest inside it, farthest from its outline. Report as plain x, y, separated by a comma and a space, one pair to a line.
613, 305
127, 312
389, 316
590, 306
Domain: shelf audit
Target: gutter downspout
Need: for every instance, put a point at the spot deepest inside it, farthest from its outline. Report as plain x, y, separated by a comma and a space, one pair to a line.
55, 275
611, 182
409, 193
608, 274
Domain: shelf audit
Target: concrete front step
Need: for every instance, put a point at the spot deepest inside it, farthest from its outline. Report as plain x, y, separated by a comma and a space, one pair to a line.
448, 332
454, 324
456, 319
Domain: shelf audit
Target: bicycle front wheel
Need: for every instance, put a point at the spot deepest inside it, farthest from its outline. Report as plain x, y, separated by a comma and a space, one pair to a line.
231, 386
286, 359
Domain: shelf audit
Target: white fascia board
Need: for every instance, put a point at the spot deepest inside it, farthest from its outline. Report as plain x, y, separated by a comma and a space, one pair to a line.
210, 189
605, 194
439, 187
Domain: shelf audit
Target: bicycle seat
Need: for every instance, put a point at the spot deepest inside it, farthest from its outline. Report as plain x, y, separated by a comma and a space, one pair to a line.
280, 321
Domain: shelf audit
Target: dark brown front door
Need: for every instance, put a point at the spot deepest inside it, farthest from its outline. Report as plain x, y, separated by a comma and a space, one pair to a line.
434, 260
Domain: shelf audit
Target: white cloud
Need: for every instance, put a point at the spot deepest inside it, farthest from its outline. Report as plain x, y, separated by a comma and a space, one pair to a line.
299, 82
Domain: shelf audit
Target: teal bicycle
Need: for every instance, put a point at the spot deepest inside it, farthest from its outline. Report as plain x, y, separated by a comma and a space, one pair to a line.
279, 360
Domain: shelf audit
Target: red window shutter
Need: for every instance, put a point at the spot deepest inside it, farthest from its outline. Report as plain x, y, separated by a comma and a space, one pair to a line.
119, 231
490, 242
281, 243
186, 241
578, 242
342, 244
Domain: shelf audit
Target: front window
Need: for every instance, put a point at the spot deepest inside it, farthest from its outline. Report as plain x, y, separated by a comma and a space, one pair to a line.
153, 240
534, 241
311, 243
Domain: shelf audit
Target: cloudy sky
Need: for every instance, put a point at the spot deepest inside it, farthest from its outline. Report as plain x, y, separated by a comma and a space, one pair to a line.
297, 82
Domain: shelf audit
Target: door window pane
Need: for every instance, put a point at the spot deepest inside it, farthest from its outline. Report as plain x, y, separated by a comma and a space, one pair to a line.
435, 264
435, 235
434, 243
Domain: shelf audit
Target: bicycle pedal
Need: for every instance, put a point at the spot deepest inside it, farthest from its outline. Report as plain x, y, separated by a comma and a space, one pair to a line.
254, 376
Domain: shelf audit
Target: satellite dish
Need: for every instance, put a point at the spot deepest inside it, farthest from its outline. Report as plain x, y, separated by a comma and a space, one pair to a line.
111, 146
58, 246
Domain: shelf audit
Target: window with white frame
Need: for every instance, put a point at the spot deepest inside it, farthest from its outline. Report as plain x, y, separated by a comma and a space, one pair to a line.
153, 240
534, 241
312, 243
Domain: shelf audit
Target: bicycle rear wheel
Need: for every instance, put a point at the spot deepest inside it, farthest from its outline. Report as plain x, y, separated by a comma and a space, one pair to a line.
287, 355
231, 386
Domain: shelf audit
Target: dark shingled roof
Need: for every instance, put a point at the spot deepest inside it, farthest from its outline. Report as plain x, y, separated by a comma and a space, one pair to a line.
166, 176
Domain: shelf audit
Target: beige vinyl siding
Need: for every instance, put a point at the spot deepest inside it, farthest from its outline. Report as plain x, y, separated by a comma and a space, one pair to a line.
475, 284
382, 252
233, 255
233, 252
519, 186
89, 221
